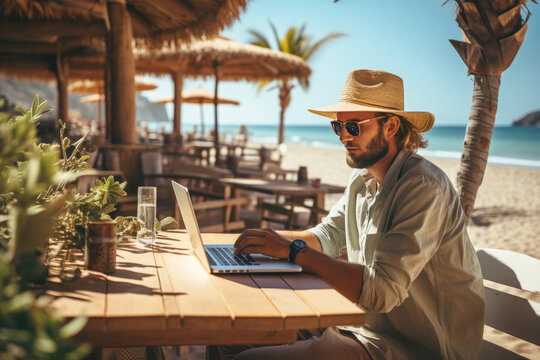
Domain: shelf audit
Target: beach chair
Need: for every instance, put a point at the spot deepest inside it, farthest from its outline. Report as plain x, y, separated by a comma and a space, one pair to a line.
512, 289
290, 215
212, 204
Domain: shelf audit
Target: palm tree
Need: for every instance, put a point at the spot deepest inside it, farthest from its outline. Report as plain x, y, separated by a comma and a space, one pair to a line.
493, 31
296, 42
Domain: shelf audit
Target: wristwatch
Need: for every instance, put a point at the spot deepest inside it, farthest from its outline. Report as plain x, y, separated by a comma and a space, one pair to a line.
296, 246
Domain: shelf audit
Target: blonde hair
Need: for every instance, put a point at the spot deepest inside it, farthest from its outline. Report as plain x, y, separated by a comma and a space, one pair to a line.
408, 137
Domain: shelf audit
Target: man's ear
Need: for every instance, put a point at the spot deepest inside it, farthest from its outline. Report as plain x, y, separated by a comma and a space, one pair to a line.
392, 125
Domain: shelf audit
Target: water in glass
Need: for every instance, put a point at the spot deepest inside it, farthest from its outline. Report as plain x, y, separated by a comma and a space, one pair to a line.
147, 213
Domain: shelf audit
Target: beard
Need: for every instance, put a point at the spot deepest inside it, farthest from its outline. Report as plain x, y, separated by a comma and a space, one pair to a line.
376, 150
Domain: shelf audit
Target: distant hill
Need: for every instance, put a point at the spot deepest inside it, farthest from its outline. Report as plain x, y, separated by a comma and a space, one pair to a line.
18, 92
531, 119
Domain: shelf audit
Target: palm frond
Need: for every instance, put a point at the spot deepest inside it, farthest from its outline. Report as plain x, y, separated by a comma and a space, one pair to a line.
262, 84
320, 43
276, 35
287, 43
259, 39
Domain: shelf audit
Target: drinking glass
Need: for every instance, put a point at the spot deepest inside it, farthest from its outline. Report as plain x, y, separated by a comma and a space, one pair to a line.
146, 211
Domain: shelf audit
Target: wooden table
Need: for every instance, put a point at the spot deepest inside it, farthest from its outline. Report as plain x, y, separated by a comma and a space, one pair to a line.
161, 295
285, 188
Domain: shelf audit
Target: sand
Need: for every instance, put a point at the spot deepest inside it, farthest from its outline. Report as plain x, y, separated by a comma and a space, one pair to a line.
507, 208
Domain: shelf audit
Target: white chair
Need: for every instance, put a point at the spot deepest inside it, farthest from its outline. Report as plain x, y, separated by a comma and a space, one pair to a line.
512, 289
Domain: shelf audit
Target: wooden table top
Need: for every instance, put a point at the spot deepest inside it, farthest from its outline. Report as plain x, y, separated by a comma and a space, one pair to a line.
282, 187
161, 295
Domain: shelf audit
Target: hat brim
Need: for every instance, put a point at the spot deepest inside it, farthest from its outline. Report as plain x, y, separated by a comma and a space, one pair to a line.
422, 120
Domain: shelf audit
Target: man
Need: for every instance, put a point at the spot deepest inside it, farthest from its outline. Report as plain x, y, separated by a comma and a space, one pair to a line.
410, 265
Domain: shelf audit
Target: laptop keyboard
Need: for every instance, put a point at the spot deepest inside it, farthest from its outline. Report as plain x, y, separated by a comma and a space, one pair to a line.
226, 256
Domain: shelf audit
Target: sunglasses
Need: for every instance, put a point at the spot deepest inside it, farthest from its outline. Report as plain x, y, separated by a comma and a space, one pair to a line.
351, 125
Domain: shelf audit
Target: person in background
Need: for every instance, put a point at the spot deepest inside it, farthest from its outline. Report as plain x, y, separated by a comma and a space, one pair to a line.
410, 263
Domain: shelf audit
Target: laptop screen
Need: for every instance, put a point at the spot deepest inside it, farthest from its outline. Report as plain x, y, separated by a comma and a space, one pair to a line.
192, 227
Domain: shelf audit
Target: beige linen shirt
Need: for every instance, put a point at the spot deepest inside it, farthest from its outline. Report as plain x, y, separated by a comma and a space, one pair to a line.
422, 284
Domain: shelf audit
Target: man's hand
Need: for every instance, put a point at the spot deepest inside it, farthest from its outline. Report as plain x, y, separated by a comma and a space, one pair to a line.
262, 241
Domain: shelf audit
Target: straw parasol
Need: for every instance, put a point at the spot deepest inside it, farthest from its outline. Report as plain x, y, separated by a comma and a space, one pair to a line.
223, 59
98, 88
98, 99
93, 98
34, 34
151, 22
199, 95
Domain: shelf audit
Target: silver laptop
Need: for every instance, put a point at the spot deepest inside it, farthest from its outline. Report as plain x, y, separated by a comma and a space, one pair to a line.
221, 258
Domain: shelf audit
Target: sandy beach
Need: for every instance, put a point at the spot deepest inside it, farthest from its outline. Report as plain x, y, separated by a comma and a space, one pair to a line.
507, 209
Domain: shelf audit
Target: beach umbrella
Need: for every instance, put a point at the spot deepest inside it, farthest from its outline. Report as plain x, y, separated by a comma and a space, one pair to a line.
98, 88
199, 95
39, 34
224, 59
98, 99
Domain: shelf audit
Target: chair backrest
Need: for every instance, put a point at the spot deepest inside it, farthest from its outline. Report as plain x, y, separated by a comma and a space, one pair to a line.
112, 160
512, 290
151, 163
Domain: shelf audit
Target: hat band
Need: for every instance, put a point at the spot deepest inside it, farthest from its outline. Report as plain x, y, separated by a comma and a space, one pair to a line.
354, 101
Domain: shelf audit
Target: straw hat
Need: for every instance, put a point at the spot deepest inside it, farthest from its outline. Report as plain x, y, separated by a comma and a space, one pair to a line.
375, 91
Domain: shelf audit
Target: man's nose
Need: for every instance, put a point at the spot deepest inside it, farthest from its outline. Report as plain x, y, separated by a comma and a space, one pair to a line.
345, 136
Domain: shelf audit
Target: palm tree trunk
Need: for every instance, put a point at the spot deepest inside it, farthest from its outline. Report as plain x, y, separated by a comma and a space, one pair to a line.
281, 125
284, 101
477, 139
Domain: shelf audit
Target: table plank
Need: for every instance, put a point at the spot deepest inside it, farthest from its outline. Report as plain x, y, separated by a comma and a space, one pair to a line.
172, 311
296, 313
251, 308
332, 307
185, 336
85, 296
199, 301
134, 298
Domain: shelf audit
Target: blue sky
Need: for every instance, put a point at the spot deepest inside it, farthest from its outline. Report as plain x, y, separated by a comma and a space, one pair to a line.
408, 38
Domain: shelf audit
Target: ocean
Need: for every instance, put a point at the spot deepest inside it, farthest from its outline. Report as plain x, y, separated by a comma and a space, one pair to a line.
513, 146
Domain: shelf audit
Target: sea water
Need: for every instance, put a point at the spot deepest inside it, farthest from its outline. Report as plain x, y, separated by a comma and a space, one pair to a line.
513, 146
147, 213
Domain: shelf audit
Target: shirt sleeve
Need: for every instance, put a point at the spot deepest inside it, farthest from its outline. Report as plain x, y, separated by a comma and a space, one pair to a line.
331, 230
414, 232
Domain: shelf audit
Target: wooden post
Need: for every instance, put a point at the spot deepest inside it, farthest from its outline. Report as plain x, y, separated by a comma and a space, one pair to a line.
62, 75
178, 81
122, 74
216, 132
108, 107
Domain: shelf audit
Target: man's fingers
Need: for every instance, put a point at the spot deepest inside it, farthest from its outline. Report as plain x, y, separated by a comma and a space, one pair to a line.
240, 244
250, 233
253, 249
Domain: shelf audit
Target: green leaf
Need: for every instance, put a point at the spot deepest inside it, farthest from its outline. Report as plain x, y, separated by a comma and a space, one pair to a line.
21, 109
45, 344
35, 105
21, 301
169, 223
73, 327
32, 227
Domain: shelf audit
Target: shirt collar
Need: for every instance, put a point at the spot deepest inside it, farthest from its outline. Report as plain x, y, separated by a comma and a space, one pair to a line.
392, 175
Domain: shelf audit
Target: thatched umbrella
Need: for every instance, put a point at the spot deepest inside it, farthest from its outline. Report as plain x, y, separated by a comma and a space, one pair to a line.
98, 88
224, 59
43, 28
200, 96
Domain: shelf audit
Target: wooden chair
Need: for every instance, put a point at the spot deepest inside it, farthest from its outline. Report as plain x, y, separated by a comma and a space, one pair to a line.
212, 202
512, 290
290, 215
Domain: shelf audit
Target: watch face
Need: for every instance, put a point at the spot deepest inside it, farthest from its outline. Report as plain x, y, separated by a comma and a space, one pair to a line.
299, 244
